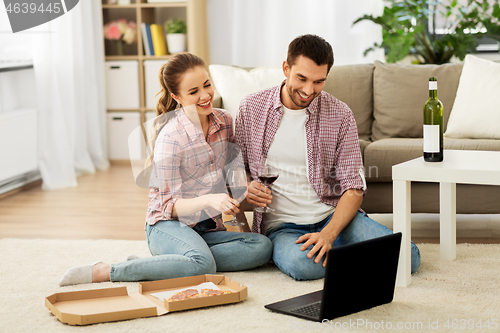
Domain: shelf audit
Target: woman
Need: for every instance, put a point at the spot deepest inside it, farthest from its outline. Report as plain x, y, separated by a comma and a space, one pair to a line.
184, 226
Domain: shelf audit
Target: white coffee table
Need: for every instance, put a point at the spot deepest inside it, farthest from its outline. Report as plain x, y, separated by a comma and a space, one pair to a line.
459, 166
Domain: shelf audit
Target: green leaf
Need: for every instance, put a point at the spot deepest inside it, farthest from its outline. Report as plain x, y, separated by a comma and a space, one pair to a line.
496, 10
405, 27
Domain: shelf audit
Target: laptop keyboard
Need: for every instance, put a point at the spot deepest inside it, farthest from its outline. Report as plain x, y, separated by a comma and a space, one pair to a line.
310, 310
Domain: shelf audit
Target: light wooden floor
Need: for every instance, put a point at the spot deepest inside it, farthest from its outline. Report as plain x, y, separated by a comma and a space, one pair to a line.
106, 205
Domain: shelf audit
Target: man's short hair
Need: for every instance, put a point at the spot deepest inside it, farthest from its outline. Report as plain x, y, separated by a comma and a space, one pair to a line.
313, 47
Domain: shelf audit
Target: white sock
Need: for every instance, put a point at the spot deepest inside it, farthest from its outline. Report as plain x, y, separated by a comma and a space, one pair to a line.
77, 275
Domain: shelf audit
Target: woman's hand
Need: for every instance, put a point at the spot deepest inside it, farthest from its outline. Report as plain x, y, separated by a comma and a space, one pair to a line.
258, 194
223, 203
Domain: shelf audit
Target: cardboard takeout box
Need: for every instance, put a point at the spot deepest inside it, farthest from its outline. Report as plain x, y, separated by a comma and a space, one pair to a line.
113, 304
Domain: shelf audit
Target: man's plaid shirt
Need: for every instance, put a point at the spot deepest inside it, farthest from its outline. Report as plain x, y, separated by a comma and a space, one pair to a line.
333, 154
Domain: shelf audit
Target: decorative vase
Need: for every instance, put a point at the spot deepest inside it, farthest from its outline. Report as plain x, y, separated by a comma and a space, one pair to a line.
119, 47
176, 43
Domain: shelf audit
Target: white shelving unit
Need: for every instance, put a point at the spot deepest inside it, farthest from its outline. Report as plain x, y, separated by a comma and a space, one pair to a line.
132, 87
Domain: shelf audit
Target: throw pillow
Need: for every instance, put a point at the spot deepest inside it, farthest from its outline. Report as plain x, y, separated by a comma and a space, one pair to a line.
476, 112
399, 95
234, 83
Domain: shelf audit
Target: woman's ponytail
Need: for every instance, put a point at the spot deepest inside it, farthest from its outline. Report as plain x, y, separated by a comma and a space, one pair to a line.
166, 103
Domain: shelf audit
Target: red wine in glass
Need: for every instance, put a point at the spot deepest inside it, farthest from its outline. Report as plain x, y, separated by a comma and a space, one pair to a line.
268, 173
268, 180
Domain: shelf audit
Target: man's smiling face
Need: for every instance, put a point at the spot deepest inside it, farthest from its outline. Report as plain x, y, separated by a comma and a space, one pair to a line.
304, 81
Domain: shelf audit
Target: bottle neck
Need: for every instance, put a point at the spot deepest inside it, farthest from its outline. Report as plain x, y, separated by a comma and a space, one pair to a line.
433, 94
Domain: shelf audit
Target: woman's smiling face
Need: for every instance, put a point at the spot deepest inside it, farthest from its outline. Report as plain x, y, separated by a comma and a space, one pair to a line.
195, 88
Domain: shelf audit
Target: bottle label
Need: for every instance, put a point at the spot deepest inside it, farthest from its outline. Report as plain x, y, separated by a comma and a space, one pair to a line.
431, 139
433, 85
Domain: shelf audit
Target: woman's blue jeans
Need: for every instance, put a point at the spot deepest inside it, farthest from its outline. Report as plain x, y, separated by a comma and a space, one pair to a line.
294, 262
179, 251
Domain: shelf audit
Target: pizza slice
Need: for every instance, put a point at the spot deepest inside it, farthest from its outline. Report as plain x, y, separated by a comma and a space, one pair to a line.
213, 292
185, 294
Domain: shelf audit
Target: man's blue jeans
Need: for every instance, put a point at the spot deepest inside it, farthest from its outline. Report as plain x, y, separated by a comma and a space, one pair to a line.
294, 262
179, 251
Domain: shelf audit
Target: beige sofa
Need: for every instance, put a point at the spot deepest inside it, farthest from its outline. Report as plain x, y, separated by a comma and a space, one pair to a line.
387, 101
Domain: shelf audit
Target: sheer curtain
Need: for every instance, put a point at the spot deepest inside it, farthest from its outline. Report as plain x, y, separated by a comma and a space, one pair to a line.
251, 33
69, 73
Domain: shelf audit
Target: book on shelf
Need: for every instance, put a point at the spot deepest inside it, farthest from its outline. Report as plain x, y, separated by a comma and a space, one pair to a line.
150, 40
159, 44
145, 39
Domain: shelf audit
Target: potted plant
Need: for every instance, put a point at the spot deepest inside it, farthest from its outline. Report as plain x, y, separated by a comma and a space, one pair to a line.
409, 26
176, 35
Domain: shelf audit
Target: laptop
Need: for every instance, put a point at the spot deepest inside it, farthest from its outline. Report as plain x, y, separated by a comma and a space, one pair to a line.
358, 276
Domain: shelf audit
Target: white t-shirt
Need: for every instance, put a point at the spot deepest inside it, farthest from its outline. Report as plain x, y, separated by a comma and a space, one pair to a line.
294, 200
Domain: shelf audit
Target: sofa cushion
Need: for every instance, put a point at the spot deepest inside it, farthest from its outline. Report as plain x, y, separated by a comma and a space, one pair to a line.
471, 144
362, 145
381, 155
476, 111
353, 85
234, 83
400, 93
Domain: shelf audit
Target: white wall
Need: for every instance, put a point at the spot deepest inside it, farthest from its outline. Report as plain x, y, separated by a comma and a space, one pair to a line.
253, 33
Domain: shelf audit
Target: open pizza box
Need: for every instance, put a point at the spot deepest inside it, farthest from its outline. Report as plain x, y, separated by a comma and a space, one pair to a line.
113, 304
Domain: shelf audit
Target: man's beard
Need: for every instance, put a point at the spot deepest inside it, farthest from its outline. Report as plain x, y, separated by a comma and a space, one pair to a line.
295, 99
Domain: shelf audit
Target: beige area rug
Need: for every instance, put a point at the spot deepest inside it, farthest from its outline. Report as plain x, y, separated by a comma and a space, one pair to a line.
442, 294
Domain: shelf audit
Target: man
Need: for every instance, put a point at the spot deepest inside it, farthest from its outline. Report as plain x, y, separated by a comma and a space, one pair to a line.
319, 191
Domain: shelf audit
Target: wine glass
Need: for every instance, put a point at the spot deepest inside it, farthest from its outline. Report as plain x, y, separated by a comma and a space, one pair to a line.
236, 182
268, 173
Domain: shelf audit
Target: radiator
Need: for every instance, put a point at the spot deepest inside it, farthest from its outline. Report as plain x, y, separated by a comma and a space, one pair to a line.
18, 149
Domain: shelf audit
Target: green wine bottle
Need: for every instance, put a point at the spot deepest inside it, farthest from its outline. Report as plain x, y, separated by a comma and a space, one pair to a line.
433, 125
